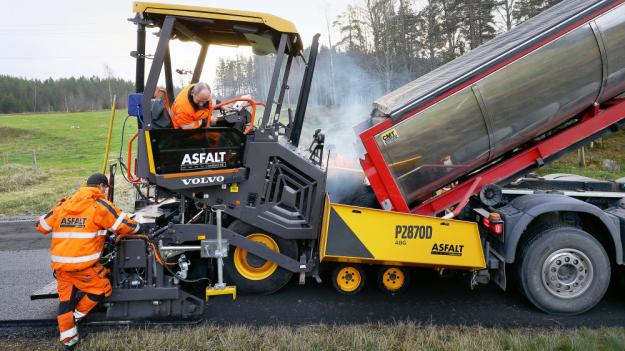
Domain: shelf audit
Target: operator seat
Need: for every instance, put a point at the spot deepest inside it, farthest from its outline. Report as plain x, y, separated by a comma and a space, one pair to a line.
160, 116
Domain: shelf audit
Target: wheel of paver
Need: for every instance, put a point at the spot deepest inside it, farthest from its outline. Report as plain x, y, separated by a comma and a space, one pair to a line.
348, 279
252, 274
393, 280
563, 270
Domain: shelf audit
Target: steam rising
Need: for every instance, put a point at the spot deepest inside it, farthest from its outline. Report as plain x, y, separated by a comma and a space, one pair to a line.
341, 97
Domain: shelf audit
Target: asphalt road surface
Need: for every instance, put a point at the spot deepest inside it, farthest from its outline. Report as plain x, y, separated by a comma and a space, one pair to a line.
24, 267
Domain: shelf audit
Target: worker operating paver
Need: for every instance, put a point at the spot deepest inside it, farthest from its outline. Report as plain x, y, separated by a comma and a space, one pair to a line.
193, 107
79, 227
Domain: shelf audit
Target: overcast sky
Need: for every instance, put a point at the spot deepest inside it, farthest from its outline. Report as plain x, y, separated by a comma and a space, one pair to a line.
62, 38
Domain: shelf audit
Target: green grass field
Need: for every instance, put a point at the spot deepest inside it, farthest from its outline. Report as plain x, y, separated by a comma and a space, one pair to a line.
70, 146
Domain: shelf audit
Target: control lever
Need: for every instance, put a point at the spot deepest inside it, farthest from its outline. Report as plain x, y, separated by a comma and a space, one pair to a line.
156, 233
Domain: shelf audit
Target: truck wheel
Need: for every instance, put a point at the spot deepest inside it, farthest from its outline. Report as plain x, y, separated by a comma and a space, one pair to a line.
393, 280
563, 270
348, 279
252, 274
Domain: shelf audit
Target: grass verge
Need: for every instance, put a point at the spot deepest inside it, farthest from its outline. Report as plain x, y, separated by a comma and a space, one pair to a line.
394, 336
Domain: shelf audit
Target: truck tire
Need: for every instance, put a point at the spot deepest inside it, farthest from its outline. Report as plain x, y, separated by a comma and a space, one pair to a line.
563, 270
252, 274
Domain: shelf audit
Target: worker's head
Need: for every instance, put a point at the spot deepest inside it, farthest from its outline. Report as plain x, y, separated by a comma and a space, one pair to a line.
201, 93
98, 180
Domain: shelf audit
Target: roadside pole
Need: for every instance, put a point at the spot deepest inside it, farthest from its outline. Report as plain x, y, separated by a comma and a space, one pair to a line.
108, 136
35, 161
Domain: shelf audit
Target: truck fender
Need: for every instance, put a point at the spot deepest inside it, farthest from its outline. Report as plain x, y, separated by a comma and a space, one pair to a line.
534, 205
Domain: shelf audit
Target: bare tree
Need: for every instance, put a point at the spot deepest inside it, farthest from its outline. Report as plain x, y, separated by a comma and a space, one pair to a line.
380, 14
505, 10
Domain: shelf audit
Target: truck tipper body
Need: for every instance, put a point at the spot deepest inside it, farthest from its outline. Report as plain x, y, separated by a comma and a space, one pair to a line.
494, 99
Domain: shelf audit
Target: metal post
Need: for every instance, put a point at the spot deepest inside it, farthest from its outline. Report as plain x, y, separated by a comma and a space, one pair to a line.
220, 261
155, 70
283, 89
302, 101
274, 82
197, 72
140, 67
182, 208
169, 82
109, 134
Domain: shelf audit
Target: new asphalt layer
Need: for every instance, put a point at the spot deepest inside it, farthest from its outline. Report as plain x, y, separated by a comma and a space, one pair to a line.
24, 267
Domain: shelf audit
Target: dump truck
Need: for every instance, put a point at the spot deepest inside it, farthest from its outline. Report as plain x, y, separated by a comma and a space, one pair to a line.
242, 207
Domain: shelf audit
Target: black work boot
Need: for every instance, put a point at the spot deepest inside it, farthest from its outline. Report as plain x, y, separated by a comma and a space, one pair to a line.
71, 343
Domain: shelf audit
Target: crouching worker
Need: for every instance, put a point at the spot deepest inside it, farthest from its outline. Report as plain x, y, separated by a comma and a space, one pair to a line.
79, 226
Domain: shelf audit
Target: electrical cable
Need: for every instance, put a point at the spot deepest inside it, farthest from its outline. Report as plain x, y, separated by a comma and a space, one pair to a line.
123, 165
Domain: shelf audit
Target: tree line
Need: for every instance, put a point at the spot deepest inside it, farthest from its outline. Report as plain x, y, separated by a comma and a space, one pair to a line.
384, 44
65, 94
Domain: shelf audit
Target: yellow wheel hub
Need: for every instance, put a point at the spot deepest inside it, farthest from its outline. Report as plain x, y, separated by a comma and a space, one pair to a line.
254, 268
348, 279
393, 279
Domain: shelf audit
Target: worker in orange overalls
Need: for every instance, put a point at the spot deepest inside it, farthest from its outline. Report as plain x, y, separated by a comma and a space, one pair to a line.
192, 107
79, 227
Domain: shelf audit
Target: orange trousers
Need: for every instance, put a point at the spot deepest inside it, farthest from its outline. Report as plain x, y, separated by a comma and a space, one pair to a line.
92, 282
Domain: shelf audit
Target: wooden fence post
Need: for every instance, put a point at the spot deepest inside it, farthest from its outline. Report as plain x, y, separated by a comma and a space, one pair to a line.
582, 157
35, 161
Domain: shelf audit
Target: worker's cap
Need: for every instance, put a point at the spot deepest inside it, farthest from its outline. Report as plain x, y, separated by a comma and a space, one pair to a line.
97, 179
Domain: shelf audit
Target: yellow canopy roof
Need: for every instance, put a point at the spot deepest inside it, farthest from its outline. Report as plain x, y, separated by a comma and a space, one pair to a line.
225, 27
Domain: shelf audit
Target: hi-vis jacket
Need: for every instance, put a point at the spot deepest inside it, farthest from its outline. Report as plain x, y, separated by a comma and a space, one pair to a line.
79, 227
184, 114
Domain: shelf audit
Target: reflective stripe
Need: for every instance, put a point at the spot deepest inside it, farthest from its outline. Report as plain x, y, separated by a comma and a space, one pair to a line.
189, 126
78, 314
68, 333
119, 220
136, 229
79, 259
107, 206
77, 235
44, 225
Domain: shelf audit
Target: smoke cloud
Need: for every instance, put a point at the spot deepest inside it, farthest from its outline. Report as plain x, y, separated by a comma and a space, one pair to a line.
341, 98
